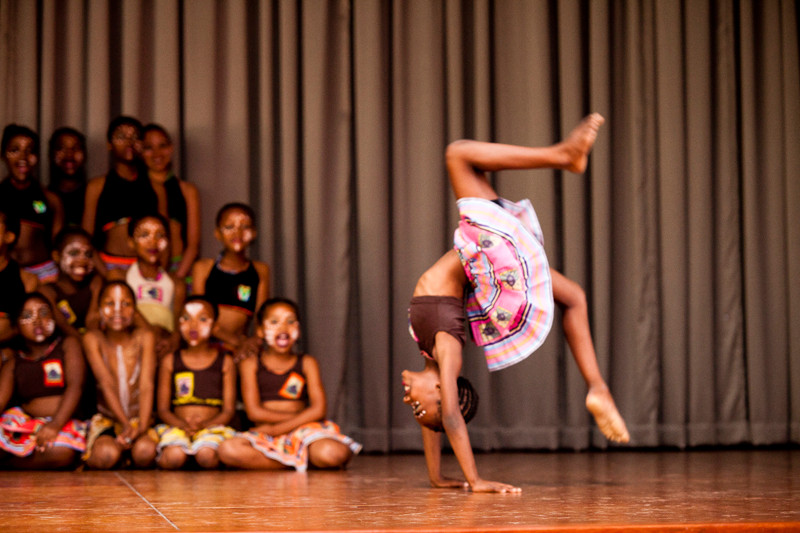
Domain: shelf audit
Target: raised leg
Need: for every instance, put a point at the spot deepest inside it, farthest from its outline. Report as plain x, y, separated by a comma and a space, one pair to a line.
468, 161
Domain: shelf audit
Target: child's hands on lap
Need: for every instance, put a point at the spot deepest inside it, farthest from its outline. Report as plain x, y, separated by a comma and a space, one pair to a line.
127, 436
45, 436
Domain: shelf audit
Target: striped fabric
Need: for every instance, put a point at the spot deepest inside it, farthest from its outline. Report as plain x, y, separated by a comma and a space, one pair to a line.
18, 433
46, 272
117, 262
205, 438
510, 307
291, 449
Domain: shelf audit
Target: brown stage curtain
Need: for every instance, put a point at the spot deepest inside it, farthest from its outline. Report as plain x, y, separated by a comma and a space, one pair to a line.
331, 119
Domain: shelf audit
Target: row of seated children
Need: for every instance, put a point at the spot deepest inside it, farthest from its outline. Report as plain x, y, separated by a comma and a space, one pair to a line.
144, 321
140, 180
195, 394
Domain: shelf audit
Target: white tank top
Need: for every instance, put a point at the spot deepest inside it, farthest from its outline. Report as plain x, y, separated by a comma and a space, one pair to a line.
154, 297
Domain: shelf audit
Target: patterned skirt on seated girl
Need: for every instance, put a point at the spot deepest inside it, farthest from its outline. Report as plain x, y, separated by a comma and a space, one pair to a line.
191, 444
101, 425
18, 433
291, 449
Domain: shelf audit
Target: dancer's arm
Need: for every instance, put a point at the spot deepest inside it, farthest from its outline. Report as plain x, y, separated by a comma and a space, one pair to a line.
448, 356
432, 444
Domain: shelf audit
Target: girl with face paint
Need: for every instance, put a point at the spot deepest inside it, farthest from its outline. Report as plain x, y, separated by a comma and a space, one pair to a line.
39, 210
285, 399
159, 294
45, 375
122, 358
68, 172
196, 392
74, 298
498, 278
237, 284
179, 200
75, 291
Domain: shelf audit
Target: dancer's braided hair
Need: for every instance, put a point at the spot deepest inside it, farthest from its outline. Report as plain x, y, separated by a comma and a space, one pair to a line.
467, 399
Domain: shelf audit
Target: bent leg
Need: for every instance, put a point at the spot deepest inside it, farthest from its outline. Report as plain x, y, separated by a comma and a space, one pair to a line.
328, 453
144, 451
572, 300
468, 161
53, 458
105, 453
171, 458
207, 458
239, 453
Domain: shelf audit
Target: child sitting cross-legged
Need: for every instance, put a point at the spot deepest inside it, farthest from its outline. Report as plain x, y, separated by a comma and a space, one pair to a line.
44, 376
196, 392
285, 399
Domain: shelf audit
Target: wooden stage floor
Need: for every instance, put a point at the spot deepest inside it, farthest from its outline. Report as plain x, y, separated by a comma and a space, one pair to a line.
719, 490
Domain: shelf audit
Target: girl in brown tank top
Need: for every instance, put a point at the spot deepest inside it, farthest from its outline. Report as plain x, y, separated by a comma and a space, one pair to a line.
196, 392
45, 376
290, 425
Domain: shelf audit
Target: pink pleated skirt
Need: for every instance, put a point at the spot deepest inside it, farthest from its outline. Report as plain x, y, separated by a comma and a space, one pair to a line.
510, 306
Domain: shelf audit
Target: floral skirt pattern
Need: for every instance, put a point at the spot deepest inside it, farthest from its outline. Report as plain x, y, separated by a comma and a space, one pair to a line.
191, 444
291, 449
18, 433
510, 306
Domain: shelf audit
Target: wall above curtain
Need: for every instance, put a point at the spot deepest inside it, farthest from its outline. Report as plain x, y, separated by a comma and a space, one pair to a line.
331, 118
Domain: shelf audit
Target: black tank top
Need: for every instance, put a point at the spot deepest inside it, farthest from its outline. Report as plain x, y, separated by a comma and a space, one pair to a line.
229, 289
291, 385
28, 205
73, 205
197, 387
122, 200
12, 290
40, 378
176, 203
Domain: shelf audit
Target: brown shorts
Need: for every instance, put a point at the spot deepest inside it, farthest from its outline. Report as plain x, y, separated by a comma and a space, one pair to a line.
428, 315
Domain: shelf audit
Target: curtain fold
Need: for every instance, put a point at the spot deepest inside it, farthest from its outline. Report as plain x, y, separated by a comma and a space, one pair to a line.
331, 119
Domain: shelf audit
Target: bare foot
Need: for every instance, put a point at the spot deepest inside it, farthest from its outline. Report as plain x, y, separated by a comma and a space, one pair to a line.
602, 406
579, 142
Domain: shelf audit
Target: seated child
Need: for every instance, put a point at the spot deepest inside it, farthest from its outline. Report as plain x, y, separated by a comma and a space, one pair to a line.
39, 210
159, 295
122, 358
14, 281
285, 399
232, 281
196, 392
74, 297
45, 376
75, 291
